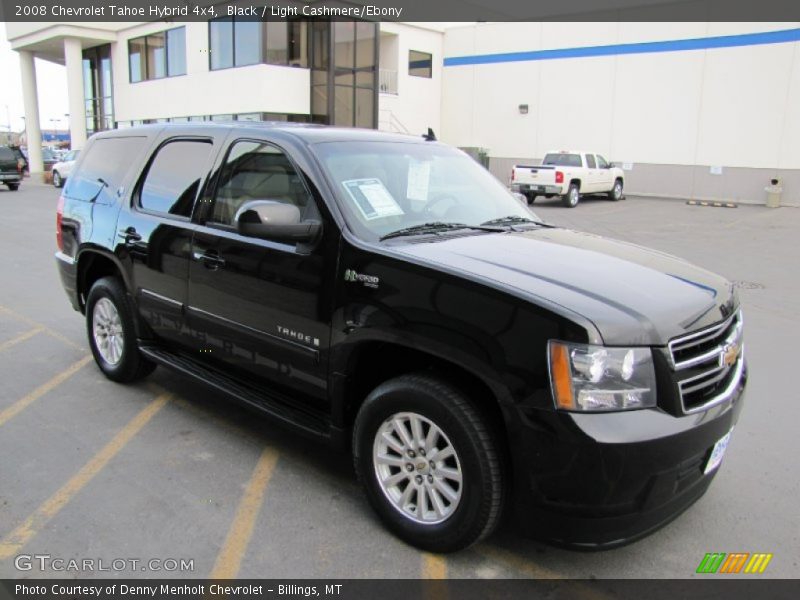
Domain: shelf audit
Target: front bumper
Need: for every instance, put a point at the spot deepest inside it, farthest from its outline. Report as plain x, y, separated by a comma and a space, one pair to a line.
596, 481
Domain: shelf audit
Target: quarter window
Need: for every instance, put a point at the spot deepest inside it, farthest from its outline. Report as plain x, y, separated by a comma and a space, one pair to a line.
174, 177
420, 64
256, 171
104, 168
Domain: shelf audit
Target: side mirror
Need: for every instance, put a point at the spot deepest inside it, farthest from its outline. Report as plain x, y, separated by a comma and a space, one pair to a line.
277, 221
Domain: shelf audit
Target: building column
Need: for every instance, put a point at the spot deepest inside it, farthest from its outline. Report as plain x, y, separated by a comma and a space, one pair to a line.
30, 95
73, 54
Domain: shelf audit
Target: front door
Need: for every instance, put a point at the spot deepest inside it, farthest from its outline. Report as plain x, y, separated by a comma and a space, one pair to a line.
259, 307
606, 175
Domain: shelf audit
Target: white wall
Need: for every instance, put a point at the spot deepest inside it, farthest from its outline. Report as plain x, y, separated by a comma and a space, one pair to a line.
418, 103
733, 107
255, 88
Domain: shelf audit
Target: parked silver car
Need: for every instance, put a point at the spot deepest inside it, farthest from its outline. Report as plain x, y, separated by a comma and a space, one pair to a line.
62, 169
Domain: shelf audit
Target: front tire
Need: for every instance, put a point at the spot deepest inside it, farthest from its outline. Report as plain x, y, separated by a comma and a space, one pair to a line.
112, 332
429, 463
616, 192
572, 197
57, 181
531, 197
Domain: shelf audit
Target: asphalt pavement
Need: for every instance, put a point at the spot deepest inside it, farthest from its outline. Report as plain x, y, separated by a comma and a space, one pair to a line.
169, 479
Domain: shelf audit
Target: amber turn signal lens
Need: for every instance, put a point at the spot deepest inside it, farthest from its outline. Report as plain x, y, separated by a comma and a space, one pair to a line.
560, 375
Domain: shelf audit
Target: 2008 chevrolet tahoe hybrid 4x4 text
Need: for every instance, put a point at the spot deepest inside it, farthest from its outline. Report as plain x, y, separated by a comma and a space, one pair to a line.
387, 294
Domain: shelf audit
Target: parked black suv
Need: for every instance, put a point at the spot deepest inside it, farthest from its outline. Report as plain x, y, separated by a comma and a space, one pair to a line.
387, 294
10, 168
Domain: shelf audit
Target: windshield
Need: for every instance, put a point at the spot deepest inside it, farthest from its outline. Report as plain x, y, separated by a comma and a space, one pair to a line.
562, 159
384, 187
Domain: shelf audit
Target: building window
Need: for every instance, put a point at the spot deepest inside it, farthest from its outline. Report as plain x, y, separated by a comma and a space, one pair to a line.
235, 43
420, 64
157, 55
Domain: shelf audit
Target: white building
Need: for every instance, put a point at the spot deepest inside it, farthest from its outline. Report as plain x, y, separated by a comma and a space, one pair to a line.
695, 110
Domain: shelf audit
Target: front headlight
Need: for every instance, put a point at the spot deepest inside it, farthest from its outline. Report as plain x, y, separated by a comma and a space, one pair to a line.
597, 378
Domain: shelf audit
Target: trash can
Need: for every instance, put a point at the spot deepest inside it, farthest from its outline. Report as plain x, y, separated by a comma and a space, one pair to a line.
774, 191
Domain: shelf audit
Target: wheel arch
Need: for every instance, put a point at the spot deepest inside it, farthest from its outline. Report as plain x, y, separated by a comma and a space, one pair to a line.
92, 264
372, 362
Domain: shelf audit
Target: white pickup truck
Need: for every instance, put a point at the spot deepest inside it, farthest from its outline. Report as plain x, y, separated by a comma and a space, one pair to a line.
568, 173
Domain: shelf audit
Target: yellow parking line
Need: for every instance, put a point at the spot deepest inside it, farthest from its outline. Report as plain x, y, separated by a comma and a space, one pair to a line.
51, 332
21, 338
433, 566
517, 563
230, 556
15, 540
18, 406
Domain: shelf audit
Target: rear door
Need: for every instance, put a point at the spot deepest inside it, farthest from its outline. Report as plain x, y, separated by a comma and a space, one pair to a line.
154, 233
258, 307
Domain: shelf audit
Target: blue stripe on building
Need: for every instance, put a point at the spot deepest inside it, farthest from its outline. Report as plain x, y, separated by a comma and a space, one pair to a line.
724, 41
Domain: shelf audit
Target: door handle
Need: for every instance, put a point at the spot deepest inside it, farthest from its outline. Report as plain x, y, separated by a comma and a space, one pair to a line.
129, 235
210, 259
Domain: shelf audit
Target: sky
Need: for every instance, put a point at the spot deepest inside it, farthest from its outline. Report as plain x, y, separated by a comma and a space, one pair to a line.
52, 83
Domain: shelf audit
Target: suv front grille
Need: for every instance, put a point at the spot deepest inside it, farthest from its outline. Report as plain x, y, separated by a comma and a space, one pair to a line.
708, 364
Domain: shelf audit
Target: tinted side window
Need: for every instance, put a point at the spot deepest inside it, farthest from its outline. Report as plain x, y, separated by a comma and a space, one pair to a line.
174, 177
109, 160
256, 171
590, 161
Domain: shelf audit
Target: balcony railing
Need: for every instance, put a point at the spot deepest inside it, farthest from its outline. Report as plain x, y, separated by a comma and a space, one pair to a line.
387, 82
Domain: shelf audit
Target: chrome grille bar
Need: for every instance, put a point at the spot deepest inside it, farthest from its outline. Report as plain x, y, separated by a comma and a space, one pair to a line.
713, 373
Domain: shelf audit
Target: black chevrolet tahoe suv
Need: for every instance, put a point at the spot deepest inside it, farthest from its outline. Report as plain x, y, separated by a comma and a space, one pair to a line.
386, 294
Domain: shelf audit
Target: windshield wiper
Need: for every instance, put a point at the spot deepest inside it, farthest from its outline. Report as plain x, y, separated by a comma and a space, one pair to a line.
514, 219
436, 227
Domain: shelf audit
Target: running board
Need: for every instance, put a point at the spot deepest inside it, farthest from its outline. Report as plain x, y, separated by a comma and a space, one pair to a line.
275, 404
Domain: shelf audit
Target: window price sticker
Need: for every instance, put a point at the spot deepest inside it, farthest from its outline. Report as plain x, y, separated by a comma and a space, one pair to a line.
372, 198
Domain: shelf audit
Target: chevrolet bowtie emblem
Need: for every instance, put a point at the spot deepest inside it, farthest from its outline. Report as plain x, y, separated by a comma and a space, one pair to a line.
729, 354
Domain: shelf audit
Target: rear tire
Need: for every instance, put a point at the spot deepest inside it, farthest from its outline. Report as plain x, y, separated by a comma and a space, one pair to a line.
111, 329
616, 192
439, 505
13, 186
572, 197
531, 197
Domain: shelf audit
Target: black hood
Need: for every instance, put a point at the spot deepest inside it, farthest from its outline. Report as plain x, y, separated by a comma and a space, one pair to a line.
633, 295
